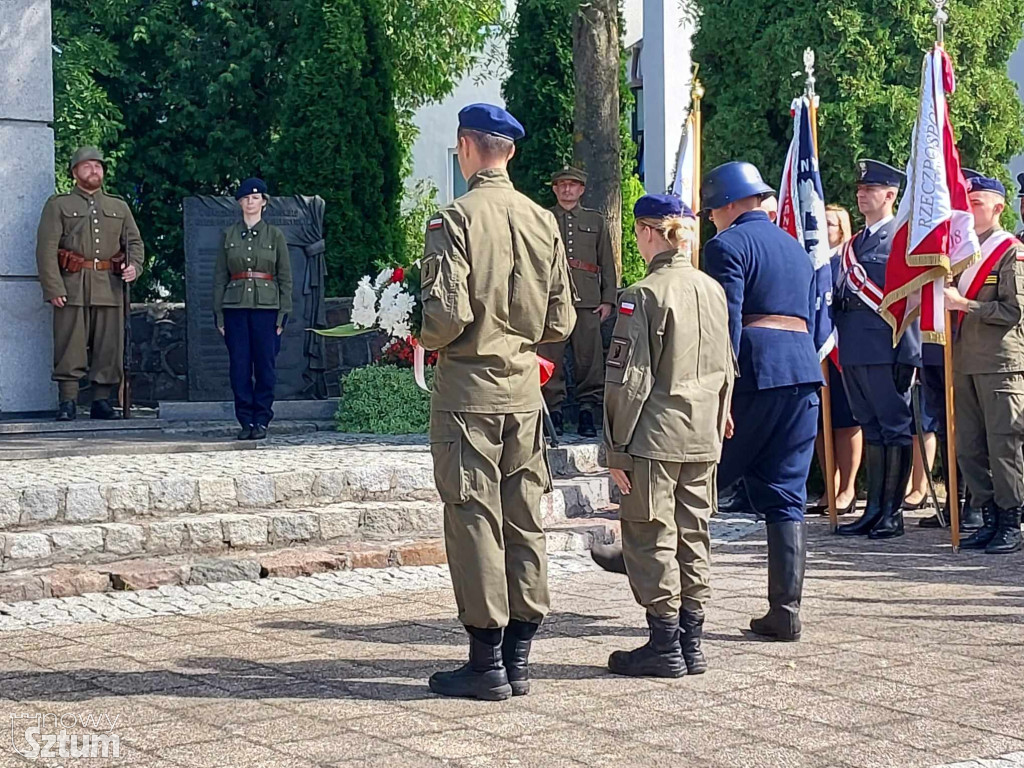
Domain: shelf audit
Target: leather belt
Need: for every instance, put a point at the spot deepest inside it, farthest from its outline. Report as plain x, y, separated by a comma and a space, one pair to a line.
778, 322
585, 266
97, 264
250, 275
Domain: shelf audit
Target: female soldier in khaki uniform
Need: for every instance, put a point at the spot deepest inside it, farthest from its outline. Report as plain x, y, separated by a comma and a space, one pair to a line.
252, 296
668, 384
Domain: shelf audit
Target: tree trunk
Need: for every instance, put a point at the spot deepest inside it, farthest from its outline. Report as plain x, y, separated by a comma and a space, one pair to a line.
597, 142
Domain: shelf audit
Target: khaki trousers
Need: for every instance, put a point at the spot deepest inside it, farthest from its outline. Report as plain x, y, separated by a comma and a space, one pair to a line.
990, 436
666, 541
491, 472
588, 356
88, 340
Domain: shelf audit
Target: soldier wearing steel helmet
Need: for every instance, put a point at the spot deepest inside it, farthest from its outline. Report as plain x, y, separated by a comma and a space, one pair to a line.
88, 246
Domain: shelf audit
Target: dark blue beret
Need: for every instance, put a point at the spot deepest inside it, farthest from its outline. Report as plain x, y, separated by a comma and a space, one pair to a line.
979, 183
660, 207
488, 118
875, 174
251, 186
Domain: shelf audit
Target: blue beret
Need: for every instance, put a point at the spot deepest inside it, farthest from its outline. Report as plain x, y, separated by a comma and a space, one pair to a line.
488, 118
872, 173
979, 183
660, 207
251, 186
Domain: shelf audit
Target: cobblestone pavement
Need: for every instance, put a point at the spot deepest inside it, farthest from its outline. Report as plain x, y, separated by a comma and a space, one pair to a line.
911, 658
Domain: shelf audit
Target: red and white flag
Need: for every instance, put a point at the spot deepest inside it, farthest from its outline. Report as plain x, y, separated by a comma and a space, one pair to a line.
935, 235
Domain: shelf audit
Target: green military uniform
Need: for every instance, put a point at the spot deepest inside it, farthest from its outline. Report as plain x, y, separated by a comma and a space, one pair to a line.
988, 366
495, 284
588, 248
261, 250
668, 385
97, 227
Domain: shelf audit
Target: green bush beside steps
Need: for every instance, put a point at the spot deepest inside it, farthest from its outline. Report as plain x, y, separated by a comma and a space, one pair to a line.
383, 400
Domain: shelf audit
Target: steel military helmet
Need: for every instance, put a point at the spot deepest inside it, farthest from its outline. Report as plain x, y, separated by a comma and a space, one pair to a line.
731, 182
86, 153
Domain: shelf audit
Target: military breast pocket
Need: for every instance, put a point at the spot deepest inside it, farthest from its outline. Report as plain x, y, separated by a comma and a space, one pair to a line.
449, 472
618, 360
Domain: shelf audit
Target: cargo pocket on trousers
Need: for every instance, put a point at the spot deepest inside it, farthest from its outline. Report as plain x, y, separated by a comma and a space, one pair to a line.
549, 479
449, 474
637, 506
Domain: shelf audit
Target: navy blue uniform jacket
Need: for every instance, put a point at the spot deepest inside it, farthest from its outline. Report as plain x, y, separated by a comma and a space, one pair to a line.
764, 271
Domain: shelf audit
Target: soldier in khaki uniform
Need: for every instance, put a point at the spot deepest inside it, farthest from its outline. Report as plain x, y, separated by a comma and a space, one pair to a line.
669, 382
87, 248
988, 374
588, 247
495, 284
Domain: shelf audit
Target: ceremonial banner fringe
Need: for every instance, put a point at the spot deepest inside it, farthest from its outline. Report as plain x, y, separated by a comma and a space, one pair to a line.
935, 236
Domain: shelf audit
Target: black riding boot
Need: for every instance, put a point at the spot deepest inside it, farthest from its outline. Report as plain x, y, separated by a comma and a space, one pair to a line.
899, 461
659, 657
691, 630
1007, 538
874, 465
787, 554
483, 677
515, 653
981, 537
609, 556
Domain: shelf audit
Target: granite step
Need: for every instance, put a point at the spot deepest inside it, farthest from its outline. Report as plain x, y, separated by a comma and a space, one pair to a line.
251, 560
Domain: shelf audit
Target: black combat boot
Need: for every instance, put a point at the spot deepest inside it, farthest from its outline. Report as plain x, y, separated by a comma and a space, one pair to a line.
259, 432
691, 630
609, 556
483, 677
245, 433
874, 465
1007, 538
587, 428
515, 653
899, 461
556, 422
970, 516
659, 657
102, 410
66, 411
787, 555
980, 538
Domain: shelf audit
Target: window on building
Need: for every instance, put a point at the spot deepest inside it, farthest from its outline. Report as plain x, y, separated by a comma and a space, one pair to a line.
456, 184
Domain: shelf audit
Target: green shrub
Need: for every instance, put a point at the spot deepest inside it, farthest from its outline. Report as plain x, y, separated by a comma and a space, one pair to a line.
633, 265
383, 400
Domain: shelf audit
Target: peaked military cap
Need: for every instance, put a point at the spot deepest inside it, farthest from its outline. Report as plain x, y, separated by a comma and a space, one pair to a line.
661, 207
86, 153
487, 118
872, 173
568, 173
977, 182
251, 186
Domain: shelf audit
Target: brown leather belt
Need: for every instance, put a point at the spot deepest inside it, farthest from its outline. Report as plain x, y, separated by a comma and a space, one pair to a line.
778, 322
250, 275
585, 266
67, 258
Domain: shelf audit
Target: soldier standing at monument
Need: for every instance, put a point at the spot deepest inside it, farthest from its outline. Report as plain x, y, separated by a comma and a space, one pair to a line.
668, 384
495, 285
88, 246
588, 247
252, 296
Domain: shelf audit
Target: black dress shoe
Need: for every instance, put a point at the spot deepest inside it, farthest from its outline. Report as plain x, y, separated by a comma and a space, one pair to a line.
259, 432
587, 428
245, 433
102, 410
66, 411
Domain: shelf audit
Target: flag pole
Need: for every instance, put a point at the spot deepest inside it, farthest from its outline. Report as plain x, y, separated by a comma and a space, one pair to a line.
826, 400
952, 492
696, 94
